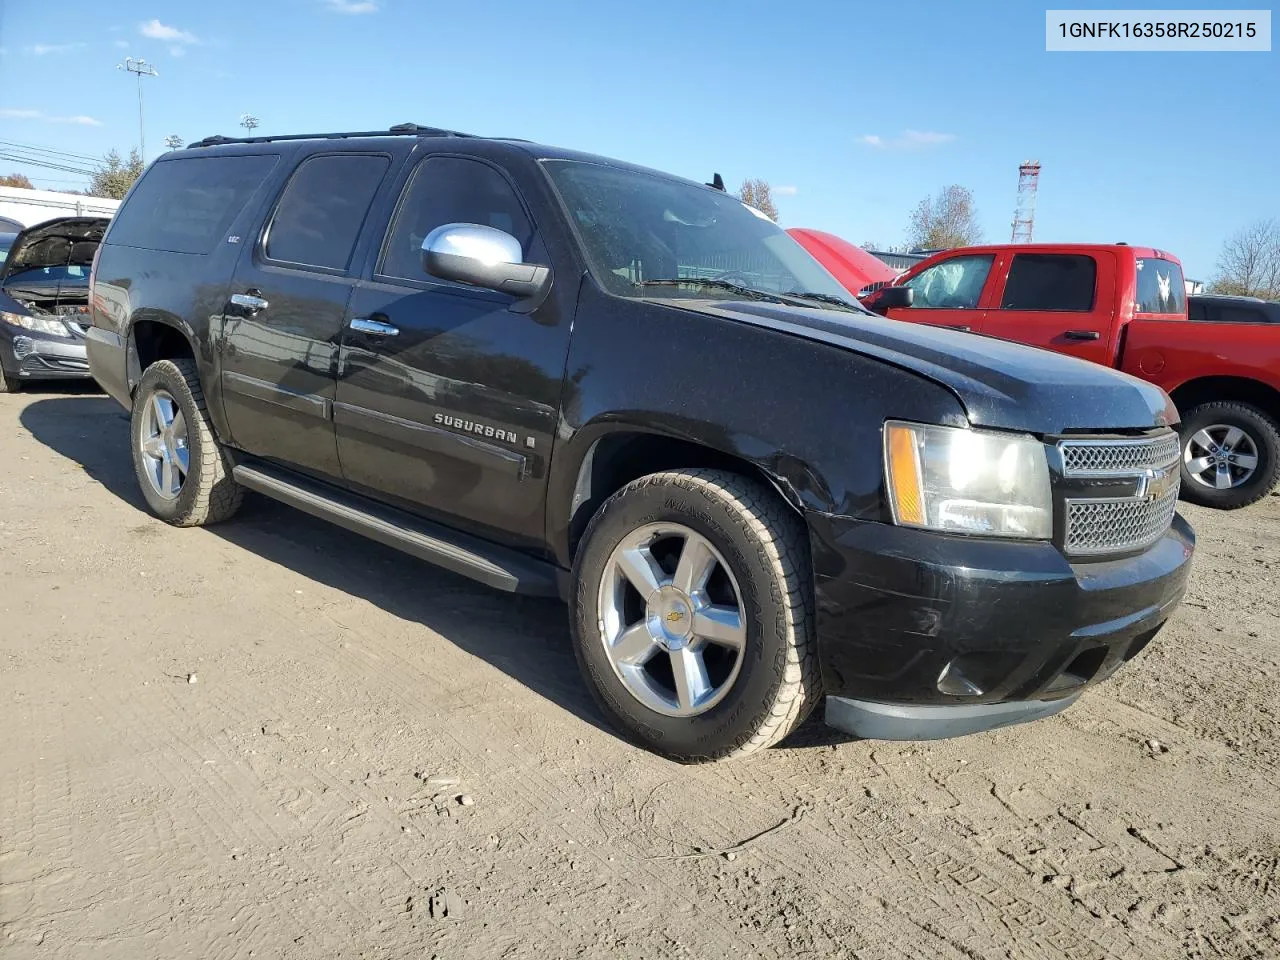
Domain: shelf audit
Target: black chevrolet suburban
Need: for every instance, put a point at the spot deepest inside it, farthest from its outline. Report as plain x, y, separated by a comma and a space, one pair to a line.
560, 374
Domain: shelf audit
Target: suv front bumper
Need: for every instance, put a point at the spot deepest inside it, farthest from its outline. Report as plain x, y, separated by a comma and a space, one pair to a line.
923, 635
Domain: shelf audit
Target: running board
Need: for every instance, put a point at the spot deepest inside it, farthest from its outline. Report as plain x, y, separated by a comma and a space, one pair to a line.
489, 564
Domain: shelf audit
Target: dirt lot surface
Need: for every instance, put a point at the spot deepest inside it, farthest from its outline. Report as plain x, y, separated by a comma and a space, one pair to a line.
274, 739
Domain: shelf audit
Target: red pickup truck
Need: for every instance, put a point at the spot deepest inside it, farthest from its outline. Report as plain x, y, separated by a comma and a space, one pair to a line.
1124, 307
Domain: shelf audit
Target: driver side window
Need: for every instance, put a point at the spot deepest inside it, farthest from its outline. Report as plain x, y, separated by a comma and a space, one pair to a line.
954, 284
452, 190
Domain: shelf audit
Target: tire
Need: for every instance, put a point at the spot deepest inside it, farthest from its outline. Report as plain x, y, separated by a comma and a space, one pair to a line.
759, 553
207, 492
1259, 438
7, 384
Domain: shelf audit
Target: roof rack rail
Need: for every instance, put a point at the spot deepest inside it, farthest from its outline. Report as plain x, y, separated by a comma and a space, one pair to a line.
399, 130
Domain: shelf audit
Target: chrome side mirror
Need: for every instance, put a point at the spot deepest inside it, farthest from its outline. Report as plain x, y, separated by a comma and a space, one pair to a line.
485, 257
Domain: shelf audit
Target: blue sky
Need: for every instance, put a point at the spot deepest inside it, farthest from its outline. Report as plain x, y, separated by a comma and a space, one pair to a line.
1172, 150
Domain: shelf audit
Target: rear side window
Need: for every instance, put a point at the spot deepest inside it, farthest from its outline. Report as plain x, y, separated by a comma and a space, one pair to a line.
1050, 281
954, 284
1160, 287
451, 190
187, 205
322, 209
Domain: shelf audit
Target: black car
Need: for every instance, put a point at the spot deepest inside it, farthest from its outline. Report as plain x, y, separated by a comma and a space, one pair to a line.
1216, 308
44, 301
561, 374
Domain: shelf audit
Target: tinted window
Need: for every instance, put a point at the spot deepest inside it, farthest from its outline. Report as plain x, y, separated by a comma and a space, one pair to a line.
1041, 281
322, 209
450, 190
187, 205
954, 284
1160, 287
1196, 310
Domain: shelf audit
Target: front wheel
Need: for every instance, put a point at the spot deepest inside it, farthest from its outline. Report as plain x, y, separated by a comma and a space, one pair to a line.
692, 615
1230, 454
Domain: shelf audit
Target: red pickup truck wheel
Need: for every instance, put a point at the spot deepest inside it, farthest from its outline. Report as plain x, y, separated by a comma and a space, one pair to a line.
1230, 455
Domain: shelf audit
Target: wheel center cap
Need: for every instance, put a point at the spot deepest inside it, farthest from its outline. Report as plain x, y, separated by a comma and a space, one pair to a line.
670, 617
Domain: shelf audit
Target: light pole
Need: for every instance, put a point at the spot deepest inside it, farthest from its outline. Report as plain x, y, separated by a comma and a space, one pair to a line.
249, 121
173, 141
139, 68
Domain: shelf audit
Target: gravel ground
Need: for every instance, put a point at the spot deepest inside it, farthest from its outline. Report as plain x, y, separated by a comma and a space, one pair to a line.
273, 739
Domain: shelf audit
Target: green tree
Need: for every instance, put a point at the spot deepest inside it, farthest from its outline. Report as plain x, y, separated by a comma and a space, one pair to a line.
945, 221
755, 193
16, 180
114, 176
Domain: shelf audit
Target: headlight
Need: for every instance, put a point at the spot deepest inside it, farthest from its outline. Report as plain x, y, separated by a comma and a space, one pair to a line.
967, 481
50, 325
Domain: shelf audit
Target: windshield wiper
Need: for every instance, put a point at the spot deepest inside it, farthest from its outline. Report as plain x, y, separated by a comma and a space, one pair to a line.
749, 293
829, 298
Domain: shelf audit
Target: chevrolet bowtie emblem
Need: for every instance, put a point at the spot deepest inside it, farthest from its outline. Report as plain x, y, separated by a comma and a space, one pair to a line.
675, 616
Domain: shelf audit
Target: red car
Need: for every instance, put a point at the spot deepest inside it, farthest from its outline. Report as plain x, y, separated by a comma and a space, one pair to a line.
1124, 307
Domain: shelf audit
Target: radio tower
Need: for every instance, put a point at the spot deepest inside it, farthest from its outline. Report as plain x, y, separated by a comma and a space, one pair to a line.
1024, 214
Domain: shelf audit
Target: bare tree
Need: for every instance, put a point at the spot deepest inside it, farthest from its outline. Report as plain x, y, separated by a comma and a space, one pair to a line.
947, 220
115, 176
16, 180
755, 193
1249, 264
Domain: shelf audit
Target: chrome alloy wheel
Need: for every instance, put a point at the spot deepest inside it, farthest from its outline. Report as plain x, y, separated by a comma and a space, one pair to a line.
671, 619
166, 458
1220, 456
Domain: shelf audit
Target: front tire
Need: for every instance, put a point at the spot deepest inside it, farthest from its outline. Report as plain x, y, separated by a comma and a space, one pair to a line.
8, 384
1230, 455
692, 615
184, 473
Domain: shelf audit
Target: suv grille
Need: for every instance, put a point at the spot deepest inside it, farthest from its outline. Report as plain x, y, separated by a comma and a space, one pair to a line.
1116, 524
1101, 458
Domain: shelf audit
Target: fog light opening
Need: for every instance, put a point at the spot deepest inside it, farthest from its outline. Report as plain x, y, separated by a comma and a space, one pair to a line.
1085, 666
23, 347
953, 682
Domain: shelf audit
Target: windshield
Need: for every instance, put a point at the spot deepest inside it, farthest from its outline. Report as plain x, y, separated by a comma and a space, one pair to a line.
72, 274
639, 229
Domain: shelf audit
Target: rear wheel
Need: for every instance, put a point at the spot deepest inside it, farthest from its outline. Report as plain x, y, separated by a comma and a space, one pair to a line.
692, 615
184, 472
1230, 454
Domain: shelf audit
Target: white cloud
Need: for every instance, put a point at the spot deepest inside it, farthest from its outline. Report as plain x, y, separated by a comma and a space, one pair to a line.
122, 44
352, 6
907, 140
42, 49
785, 191
177, 51
80, 120
162, 31
13, 113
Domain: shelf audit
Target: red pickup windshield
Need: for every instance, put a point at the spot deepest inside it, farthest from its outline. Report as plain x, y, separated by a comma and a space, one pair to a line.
1160, 287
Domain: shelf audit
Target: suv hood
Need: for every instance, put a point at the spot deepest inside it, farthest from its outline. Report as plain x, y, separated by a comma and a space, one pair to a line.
1001, 384
55, 243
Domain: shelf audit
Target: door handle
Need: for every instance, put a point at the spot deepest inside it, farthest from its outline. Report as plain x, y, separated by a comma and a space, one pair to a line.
1082, 335
375, 327
250, 300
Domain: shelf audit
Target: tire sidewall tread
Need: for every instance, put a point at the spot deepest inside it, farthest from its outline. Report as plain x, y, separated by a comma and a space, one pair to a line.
210, 493
766, 547
1265, 434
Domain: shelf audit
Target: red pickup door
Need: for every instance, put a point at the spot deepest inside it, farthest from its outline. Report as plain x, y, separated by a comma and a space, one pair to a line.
1124, 307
